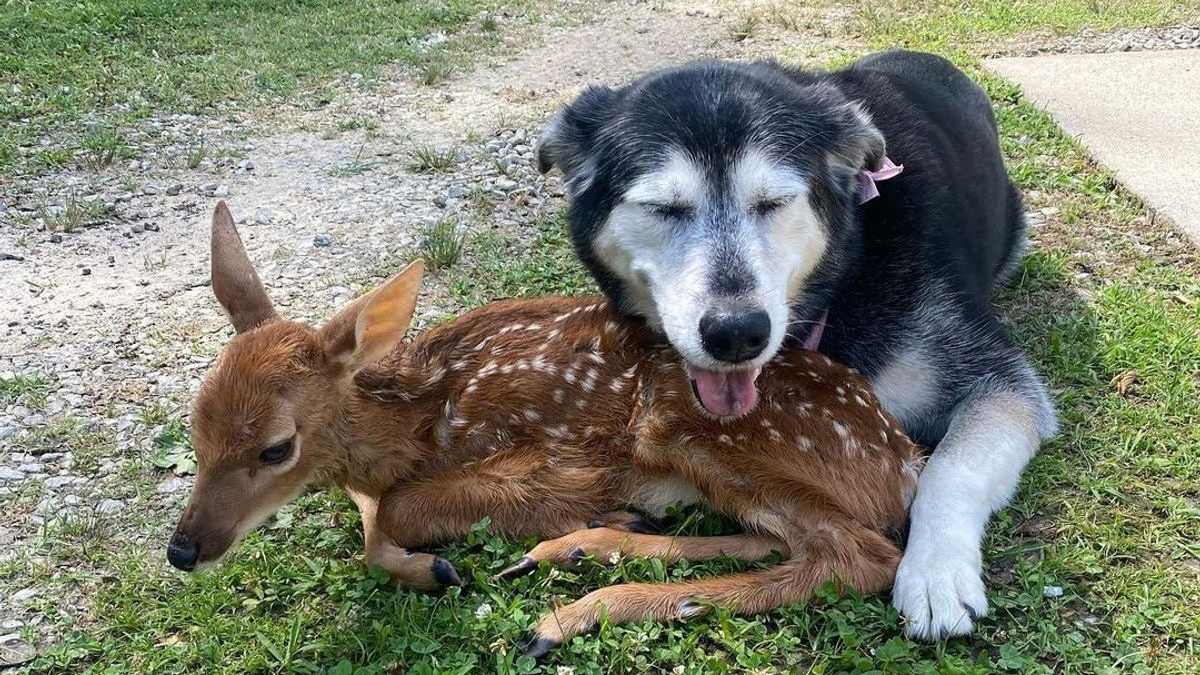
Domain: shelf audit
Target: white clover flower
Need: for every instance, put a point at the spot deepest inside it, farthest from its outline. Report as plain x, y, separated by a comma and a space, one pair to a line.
483, 610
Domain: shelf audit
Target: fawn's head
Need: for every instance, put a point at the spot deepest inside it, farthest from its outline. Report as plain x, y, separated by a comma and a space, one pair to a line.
258, 418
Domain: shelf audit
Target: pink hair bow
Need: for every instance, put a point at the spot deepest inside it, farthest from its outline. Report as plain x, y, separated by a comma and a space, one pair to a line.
868, 190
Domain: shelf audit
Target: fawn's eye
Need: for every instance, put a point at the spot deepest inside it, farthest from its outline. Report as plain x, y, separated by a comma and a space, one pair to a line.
276, 453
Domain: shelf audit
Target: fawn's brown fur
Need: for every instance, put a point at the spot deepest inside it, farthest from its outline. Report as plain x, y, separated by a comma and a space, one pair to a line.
549, 416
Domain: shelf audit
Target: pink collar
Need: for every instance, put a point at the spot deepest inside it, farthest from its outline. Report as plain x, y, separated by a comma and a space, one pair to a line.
814, 337
867, 179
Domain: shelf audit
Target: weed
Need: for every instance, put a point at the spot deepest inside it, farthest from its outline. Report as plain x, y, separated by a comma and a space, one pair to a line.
101, 147
196, 155
434, 67
441, 244
744, 28
427, 158
75, 214
27, 390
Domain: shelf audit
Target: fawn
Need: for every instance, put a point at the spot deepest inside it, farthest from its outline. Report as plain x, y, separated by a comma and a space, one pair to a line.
550, 416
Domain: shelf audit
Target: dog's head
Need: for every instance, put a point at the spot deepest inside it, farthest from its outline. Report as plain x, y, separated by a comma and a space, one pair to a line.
717, 200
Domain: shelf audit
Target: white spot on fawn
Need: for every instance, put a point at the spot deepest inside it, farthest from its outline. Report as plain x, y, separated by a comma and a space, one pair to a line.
559, 431
559, 395
589, 383
842, 430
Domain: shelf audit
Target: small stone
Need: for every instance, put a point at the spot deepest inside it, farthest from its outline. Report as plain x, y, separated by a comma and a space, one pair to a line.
456, 192
1052, 591
87, 271
31, 468
14, 651
71, 500
8, 431
9, 473
262, 215
221, 191
33, 420
150, 190
151, 227
322, 240
175, 189
439, 201
24, 594
506, 184
246, 165
171, 486
109, 506
56, 238
137, 228
60, 482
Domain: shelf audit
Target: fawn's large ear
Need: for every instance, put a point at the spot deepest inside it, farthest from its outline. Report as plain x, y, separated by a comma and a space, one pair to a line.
567, 140
234, 281
371, 326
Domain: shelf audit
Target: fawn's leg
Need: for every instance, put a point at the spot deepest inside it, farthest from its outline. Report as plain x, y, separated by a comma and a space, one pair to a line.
422, 571
604, 542
856, 556
521, 490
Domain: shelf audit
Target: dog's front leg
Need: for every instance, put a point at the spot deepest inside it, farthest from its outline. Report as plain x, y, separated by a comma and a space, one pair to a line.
973, 472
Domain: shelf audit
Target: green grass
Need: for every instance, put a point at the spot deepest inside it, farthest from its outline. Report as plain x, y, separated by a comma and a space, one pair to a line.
1109, 512
426, 158
507, 268
958, 26
28, 390
117, 61
441, 244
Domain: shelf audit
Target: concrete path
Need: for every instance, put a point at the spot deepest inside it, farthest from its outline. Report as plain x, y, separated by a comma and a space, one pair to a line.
1138, 113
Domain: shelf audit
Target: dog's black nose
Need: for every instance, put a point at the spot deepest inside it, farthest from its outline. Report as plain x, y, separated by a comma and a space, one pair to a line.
182, 552
735, 337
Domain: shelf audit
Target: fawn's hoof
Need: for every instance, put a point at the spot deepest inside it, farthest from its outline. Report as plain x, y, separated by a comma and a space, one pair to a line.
525, 565
644, 526
444, 573
537, 647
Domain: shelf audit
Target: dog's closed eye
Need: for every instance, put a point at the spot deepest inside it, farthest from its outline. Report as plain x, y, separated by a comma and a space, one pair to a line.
766, 206
671, 210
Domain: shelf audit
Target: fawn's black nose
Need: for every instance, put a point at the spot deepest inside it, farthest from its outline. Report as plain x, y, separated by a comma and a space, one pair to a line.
735, 336
182, 552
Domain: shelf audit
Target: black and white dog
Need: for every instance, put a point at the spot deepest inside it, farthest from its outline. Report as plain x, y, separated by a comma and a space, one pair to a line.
727, 204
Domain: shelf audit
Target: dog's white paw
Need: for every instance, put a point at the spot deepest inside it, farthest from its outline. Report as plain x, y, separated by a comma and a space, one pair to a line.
939, 592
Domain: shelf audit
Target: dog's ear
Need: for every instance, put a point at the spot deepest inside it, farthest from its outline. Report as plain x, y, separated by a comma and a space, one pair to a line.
566, 140
861, 145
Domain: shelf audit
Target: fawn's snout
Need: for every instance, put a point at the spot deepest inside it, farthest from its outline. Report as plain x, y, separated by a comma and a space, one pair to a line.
183, 552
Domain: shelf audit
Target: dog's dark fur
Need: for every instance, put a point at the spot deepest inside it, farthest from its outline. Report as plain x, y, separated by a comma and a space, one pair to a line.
906, 278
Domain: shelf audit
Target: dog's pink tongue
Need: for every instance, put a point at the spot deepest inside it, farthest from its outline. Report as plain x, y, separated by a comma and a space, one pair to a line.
725, 392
